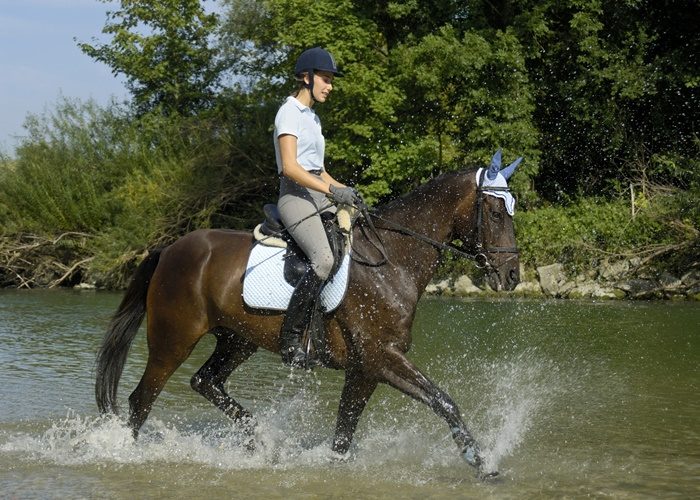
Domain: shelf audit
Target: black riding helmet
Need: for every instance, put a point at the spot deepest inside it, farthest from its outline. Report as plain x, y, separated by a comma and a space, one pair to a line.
312, 60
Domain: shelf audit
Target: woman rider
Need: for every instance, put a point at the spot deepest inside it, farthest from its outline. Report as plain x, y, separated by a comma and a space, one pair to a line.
305, 187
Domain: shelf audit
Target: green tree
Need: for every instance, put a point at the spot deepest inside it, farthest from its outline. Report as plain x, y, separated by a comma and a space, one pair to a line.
165, 50
616, 87
69, 160
466, 95
413, 101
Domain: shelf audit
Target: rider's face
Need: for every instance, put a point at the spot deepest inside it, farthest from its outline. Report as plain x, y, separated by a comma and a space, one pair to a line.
323, 84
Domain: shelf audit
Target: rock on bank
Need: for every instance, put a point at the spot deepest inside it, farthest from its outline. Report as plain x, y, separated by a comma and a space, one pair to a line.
623, 279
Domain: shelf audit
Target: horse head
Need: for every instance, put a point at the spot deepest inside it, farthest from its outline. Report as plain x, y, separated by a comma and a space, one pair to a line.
488, 225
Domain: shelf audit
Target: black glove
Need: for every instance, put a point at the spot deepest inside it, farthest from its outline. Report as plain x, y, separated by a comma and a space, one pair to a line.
346, 195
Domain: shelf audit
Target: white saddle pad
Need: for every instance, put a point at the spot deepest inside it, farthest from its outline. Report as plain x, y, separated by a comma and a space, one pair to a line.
264, 286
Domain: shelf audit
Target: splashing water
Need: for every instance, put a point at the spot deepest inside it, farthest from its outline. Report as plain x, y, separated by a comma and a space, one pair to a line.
79, 440
295, 425
566, 400
295, 433
523, 388
505, 399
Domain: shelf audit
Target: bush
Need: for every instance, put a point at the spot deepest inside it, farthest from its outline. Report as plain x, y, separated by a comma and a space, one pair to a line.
63, 170
583, 233
131, 183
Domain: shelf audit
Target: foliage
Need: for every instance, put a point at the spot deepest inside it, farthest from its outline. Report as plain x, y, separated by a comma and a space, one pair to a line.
585, 232
598, 86
129, 183
616, 84
600, 97
401, 113
466, 97
164, 49
63, 168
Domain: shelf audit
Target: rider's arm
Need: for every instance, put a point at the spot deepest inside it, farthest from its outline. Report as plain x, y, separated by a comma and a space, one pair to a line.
330, 180
297, 173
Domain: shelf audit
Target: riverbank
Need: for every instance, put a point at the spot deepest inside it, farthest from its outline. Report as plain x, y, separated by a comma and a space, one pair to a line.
610, 281
65, 262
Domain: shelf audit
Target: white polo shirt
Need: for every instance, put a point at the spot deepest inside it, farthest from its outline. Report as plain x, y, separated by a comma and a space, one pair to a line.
299, 120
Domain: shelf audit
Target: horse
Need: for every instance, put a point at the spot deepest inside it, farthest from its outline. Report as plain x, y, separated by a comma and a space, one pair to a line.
194, 286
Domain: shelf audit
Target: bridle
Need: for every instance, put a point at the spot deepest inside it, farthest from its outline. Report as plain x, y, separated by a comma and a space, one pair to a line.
480, 258
482, 192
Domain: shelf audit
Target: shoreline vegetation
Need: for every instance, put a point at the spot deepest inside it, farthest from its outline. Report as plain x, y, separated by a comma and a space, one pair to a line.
601, 99
64, 262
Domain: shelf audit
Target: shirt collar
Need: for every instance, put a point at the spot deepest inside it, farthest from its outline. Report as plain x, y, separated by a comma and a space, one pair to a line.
298, 104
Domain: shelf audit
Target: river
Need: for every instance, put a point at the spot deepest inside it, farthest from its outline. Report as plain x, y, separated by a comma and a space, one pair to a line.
569, 399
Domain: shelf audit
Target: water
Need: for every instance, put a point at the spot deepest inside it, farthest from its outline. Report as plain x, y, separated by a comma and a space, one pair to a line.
569, 399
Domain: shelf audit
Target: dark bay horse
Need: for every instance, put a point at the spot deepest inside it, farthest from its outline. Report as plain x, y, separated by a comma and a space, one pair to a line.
194, 287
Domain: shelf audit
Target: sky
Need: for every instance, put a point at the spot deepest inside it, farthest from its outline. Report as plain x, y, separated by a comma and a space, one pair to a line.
40, 61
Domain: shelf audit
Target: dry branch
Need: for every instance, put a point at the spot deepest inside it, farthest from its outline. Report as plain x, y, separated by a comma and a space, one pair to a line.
33, 261
70, 271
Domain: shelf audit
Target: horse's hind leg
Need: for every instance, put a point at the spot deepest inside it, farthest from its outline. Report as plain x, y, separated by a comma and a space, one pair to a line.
158, 370
231, 350
170, 342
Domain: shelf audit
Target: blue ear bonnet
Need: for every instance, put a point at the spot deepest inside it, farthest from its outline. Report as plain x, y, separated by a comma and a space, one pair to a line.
495, 167
494, 182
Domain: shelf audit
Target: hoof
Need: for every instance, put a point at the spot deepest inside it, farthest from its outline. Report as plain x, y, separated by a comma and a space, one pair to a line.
488, 476
340, 458
472, 455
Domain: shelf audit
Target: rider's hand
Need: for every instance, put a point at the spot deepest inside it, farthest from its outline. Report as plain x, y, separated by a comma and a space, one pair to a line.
346, 195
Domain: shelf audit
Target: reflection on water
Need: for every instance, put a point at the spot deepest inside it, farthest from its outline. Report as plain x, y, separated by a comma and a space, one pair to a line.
567, 399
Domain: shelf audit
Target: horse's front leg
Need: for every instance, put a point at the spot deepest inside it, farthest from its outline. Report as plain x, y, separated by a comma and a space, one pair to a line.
357, 390
400, 373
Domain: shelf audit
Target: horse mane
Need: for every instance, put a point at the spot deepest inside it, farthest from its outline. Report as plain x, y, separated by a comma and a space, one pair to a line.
444, 186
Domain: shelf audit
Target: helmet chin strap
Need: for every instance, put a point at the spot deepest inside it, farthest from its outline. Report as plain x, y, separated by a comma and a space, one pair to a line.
310, 85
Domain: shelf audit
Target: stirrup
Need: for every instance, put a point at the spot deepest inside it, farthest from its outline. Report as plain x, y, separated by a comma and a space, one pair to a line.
295, 357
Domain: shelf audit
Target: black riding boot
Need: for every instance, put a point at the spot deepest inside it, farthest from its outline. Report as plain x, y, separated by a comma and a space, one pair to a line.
297, 318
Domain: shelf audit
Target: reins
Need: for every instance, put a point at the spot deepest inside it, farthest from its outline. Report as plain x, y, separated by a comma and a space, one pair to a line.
356, 255
368, 215
408, 232
369, 230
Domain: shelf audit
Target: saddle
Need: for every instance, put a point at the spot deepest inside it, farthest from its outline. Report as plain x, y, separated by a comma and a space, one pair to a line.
271, 232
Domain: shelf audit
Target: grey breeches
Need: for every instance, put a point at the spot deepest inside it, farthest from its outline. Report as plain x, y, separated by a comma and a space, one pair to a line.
299, 209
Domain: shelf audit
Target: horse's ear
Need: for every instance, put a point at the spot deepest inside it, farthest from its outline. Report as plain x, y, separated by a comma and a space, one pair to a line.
508, 171
495, 165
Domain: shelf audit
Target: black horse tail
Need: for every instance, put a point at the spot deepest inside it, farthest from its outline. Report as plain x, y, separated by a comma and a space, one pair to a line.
121, 332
